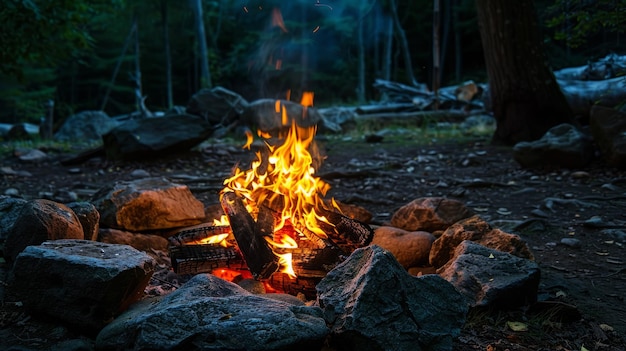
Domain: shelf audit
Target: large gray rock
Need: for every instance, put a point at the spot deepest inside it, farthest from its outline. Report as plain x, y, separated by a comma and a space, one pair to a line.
608, 127
218, 106
411, 249
155, 137
147, 204
86, 126
478, 230
429, 214
491, 278
9, 209
562, 146
83, 283
371, 303
208, 313
265, 115
40, 220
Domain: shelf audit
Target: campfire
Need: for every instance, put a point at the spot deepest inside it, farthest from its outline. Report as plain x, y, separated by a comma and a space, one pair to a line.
277, 227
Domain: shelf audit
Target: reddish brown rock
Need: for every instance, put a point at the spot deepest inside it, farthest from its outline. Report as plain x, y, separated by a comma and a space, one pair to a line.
411, 249
429, 214
148, 204
479, 231
40, 220
139, 241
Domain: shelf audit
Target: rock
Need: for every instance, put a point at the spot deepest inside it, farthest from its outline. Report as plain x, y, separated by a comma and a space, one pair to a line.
429, 214
264, 115
218, 106
411, 249
371, 303
89, 218
147, 204
562, 146
337, 119
139, 241
155, 137
208, 313
83, 283
571, 242
479, 231
491, 278
21, 131
86, 126
9, 210
31, 155
40, 220
608, 128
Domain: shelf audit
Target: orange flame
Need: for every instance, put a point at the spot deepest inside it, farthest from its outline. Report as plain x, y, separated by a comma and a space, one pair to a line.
284, 181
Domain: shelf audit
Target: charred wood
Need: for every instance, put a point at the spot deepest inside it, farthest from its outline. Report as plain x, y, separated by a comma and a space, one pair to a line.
193, 259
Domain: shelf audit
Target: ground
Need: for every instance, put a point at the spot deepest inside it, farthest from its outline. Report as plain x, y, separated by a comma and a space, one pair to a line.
581, 296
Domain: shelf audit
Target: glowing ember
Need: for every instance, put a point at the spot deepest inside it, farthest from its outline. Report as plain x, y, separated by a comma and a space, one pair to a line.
284, 181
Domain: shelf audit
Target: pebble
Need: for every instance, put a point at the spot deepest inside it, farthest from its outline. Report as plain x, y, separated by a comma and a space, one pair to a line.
571, 242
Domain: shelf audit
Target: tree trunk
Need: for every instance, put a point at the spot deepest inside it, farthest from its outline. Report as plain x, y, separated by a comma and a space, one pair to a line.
458, 54
404, 44
203, 52
360, 90
388, 50
525, 96
168, 55
436, 52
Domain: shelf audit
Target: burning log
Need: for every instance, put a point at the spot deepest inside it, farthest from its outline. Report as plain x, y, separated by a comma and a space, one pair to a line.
198, 235
193, 259
255, 250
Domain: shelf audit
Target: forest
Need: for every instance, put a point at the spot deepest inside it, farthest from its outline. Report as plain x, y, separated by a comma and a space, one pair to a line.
113, 55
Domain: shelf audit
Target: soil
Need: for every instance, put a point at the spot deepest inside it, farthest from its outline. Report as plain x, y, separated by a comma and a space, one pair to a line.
573, 221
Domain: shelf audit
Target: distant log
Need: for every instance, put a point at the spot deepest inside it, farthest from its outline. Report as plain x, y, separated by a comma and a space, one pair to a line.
581, 95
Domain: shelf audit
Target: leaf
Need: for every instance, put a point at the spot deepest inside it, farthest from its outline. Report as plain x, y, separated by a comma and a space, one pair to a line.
582, 348
517, 326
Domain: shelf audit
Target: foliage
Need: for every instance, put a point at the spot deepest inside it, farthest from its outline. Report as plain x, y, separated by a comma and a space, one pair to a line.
575, 22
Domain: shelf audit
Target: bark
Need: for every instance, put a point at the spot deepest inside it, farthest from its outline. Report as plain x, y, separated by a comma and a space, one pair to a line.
404, 44
526, 98
168, 55
203, 52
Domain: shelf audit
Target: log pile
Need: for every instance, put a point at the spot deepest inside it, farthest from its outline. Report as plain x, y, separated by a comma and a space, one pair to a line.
248, 248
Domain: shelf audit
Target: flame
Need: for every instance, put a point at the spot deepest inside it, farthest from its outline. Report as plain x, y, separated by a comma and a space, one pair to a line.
284, 181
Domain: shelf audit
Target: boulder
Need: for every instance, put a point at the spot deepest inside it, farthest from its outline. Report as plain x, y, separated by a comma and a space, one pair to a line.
491, 278
40, 220
208, 313
155, 137
87, 126
10, 208
608, 127
218, 106
89, 218
429, 214
267, 115
411, 249
563, 146
371, 303
83, 283
147, 204
478, 230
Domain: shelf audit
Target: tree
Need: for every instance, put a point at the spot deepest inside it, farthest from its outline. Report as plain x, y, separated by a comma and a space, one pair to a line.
525, 97
205, 74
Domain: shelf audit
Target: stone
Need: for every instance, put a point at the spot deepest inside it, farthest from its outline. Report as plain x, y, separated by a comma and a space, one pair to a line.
429, 214
83, 283
477, 230
139, 241
87, 126
411, 249
265, 115
608, 127
491, 278
218, 106
208, 313
370, 302
40, 220
563, 146
147, 204
155, 137
10, 207
89, 218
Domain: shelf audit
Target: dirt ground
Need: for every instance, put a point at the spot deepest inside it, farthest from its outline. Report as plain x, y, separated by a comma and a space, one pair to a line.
581, 299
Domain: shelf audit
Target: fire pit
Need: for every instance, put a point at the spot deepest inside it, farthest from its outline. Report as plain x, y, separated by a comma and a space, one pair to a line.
277, 226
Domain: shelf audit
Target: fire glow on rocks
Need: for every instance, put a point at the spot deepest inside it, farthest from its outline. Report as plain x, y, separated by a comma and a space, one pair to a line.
282, 180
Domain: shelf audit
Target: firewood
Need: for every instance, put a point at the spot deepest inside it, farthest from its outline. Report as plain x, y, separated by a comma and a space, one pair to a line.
196, 234
193, 259
255, 250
